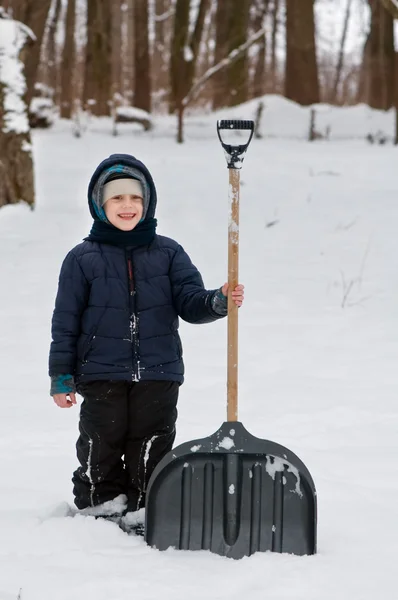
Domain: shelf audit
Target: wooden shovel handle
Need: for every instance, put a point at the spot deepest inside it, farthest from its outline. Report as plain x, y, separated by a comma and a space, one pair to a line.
233, 279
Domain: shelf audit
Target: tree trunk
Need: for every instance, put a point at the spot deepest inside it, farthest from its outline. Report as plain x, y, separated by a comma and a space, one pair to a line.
194, 44
52, 71
159, 46
301, 77
261, 8
68, 62
273, 69
33, 14
259, 72
206, 56
381, 57
362, 94
116, 48
159, 72
128, 51
178, 46
340, 61
16, 165
237, 73
98, 67
220, 81
233, 56
184, 51
391, 6
142, 70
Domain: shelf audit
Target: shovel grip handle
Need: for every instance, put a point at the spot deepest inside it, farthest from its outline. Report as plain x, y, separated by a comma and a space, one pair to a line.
234, 153
235, 124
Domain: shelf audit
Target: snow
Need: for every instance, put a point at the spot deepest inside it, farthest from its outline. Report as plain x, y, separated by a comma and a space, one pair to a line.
131, 112
283, 118
136, 517
112, 507
278, 465
12, 39
226, 443
148, 446
313, 376
43, 108
188, 54
195, 448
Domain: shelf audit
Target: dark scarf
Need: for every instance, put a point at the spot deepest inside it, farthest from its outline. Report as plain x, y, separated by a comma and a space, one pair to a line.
105, 233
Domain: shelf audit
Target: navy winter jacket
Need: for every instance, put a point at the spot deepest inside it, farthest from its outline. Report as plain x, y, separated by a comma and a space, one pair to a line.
116, 311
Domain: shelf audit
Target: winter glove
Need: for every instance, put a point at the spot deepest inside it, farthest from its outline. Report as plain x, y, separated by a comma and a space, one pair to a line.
219, 303
62, 384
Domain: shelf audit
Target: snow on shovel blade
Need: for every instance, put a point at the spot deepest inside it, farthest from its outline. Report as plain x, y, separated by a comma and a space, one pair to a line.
233, 494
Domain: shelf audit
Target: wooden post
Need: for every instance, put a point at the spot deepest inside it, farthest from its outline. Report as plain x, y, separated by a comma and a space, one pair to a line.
396, 126
311, 133
257, 123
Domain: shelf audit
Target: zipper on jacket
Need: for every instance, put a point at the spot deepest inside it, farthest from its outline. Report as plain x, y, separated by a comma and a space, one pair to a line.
133, 318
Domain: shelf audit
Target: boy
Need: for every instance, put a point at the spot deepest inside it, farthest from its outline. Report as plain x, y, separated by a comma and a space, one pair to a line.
115, 337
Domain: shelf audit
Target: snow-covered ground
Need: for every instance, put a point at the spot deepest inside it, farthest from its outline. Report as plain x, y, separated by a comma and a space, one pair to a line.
318, 361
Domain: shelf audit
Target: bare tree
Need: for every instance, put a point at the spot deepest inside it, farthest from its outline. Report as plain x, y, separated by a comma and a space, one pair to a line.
339, 68
98, 65
301, 77
142, 72
201, 82
273, 69
220, 80
16, 165
206, 55
231, 85
363, 79
237, 72
159, 42
52, 75
160, 58
260, 10
116, 47
391, 6
128, 31
184, 51
381, 57
33, 14
68, 62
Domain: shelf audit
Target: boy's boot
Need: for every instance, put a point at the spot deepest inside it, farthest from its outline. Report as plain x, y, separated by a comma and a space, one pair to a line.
112, 510
133, 522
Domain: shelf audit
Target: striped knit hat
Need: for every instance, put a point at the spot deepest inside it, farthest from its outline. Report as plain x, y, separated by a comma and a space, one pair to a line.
118, 171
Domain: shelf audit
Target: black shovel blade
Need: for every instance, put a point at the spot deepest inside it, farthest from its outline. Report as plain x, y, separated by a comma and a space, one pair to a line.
233, 494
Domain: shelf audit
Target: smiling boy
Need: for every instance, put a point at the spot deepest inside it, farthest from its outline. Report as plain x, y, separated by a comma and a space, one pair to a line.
115, 337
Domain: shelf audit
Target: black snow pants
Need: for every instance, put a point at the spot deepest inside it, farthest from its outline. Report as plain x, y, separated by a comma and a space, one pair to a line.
125, 429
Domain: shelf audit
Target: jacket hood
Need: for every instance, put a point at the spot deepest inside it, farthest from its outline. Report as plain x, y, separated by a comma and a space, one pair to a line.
123, 163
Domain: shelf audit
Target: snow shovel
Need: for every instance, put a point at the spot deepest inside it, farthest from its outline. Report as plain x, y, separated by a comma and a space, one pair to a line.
232, 493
